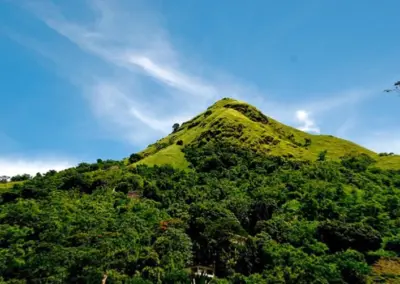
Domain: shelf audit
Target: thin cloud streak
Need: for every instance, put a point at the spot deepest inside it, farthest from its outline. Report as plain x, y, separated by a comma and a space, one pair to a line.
174, 79
133, 46
345, 127
117, 100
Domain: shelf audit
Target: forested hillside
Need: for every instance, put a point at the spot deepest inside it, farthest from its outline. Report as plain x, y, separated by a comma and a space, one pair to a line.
251, 214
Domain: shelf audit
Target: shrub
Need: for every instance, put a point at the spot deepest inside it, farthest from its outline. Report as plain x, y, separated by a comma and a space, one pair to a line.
207, 113
175, 127
123, 187
322, 155
134, 158
21, 177
357, 163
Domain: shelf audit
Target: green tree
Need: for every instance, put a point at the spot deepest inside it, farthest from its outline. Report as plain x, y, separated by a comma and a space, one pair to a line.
21, 177
175, 127
322, 155
175, 249
135, 157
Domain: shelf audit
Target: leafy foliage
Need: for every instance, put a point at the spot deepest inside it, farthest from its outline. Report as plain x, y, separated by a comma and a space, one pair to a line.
20, 177
175, 127
135, 157
254, 217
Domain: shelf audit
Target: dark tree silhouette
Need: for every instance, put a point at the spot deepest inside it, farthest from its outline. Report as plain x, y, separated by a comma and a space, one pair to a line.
135, 157
4, 179
175, 127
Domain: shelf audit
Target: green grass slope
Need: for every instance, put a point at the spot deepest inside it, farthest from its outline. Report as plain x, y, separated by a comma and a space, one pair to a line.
7, 186
244, 125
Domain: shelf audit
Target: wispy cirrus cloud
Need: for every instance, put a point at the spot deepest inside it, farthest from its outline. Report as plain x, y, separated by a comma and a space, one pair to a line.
175, 79
135, 52
138, 84
346, 126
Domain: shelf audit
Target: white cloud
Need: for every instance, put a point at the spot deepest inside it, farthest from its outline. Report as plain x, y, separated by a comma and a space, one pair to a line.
14, 166
137, 83
308, 125
175, 79
131, 47
122, 110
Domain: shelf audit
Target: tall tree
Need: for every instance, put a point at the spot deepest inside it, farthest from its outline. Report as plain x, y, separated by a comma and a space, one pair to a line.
175, 127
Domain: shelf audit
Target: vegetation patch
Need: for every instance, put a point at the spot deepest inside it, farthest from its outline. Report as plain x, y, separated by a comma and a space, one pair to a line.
223, 121
249, 111
386, 270
249, 216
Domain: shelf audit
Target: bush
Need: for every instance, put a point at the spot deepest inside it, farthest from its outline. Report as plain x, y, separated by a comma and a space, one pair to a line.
134, 158
357, 163
175, 127
393, 244
340, 236
322, 155
123, 187
179, 142
207, 113
21, 177
386, 154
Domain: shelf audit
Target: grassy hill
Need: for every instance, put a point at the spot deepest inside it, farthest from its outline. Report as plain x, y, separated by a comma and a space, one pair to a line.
245, 126
250, 208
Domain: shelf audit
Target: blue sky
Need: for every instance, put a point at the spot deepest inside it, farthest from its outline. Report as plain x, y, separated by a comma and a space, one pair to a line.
81, 80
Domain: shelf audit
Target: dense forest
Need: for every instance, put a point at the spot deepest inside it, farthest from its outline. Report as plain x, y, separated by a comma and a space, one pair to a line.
253, 218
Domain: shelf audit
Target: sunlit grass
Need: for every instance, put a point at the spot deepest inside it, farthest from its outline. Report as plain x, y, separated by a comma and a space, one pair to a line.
289, 141
7, 186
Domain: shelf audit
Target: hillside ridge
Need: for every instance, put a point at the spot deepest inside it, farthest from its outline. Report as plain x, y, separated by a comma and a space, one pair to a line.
244, 125
247, 205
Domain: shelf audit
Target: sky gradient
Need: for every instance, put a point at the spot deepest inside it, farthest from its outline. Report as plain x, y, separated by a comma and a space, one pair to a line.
81, 80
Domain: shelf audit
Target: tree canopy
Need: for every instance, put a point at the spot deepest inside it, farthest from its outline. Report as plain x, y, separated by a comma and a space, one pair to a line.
252, 218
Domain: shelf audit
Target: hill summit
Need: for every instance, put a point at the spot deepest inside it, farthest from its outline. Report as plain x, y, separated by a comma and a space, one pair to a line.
247, 199
243, 125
